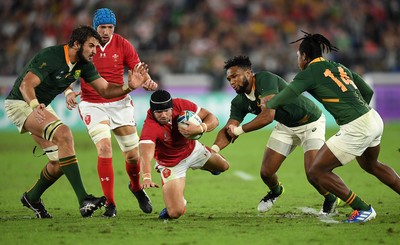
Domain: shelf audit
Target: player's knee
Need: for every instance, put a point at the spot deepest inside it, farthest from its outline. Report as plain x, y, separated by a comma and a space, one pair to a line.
313, 174
55, 130
175, 213
104, 148
224, 166
127, 142
61, 135
98, 132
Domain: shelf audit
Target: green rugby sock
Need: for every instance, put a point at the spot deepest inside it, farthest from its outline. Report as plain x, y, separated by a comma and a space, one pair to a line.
69, 166
277, 190
356, 202
330, 197
42, 184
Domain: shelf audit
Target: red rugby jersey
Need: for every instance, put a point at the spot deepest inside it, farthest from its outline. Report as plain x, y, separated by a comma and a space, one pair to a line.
110, 61
171, 146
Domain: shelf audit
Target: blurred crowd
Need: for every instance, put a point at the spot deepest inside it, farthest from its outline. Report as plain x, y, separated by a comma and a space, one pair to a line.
196, 36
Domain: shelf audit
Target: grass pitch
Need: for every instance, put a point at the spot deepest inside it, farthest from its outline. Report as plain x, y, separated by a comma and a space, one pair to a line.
221, 209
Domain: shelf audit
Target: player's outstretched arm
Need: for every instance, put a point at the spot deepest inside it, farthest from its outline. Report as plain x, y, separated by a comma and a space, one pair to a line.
136, 78
146, 152
223, 138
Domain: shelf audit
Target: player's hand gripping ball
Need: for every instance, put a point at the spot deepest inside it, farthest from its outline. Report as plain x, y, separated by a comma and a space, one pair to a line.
189, 116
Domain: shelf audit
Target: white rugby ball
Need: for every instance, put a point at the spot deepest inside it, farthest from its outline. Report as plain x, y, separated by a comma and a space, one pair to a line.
190, 116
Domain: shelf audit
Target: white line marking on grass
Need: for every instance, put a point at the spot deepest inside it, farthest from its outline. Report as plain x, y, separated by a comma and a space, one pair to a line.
244, 175
323, 218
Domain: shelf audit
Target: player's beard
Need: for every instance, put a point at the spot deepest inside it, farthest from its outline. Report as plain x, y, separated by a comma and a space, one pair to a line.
81, 57
242, 88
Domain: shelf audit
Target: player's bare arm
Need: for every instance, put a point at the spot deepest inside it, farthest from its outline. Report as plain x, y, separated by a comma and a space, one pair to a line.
149, 85
209, 123
265, 117
209, 119
146, 151
136, 78
27, 89
70, 97
223, 138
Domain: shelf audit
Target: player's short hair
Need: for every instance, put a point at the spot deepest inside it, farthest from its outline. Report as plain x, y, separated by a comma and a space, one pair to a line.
160, 100
81, 34
239, 61
104, 16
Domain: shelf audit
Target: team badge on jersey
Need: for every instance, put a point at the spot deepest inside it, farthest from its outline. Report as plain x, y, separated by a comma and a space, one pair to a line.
167, 137
115, 56
77, 74
166, 173
88, 119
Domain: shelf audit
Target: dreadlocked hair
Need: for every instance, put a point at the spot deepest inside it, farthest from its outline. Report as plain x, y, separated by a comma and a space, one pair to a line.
239, 61
313, 45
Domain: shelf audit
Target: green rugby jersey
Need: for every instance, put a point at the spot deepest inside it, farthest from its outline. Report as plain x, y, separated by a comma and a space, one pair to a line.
51, 65
342, 92
298, 112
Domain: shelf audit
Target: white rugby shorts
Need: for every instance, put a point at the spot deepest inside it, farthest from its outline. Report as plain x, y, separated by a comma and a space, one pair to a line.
356, 136
311, 136
117, 113
195, 160
18, 111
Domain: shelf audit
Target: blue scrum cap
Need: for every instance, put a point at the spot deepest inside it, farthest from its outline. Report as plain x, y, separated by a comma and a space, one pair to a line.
104, 16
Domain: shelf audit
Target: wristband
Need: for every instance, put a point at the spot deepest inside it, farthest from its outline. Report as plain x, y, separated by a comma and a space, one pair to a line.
238, 131
33, 103
126, 86
146, 176
205, 127
215, 148
67, 92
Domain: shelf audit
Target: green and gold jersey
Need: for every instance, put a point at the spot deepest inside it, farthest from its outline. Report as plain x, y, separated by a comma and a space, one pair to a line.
335, 86
56, 73
298, 112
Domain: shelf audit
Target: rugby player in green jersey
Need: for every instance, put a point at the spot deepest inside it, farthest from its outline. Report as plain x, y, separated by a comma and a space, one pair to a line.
346, 96
299, 123
48, 74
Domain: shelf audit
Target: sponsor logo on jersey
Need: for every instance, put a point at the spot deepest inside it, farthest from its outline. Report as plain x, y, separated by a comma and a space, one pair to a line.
102, 55
42, 65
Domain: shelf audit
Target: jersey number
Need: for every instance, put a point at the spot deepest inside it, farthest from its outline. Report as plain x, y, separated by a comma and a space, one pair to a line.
344, 78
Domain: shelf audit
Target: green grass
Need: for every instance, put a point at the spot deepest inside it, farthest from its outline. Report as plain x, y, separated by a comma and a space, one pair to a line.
221, 209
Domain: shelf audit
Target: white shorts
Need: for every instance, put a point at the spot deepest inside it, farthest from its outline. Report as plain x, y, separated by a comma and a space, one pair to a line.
195, 160
18, 111
311, 136
356, 136
118, 113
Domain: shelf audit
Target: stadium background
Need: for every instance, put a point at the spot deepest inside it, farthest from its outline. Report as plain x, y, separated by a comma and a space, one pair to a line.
185, 42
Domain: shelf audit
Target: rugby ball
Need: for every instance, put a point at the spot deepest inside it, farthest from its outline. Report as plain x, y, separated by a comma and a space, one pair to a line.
189, 116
